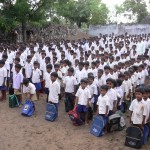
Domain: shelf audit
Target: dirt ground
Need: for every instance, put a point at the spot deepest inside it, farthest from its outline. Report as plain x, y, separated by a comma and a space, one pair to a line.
35, 133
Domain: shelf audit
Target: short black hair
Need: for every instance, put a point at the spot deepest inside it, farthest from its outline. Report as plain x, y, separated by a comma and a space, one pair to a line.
104, 87
71, 69
91, 77
17, 59
54, 74
139, 90
119, 82
36, 63
49, 66
107, 67
25, 81
84, 80
2, 62
18, 66
56, 65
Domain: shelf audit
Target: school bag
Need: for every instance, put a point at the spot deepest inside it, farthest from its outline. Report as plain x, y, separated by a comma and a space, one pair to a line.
134, 137
51, 112
74, 117
28, 108
97, 127
114, 122
13, 101
122, 123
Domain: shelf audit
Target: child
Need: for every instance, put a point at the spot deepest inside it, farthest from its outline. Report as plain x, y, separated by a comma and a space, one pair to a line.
36, 77
17, 82
93, 91
47, 76
70, 88
29, 89
103, 104
54, 90
82, 99
138, 109
112, 96
3, 75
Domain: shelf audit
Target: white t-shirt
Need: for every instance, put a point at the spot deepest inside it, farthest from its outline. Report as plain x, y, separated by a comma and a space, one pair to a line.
36, 75
47, 78
112, 94
30, 89
54, 91
3, 74
28, 69
83, 96
70, 82
139, 110
102, 102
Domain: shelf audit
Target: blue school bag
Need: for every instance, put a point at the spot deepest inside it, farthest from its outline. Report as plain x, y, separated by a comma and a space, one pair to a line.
28, 108
97, 126
51, 112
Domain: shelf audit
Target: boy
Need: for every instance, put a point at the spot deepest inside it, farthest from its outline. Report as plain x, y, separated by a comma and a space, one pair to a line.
29, 89
3, 75
138, 109
70, 88
103, 103
47, 76
54, 90
112, 94
82, 99
17, 82
36, 78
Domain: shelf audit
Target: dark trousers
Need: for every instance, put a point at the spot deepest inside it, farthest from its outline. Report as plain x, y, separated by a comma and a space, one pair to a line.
69, 101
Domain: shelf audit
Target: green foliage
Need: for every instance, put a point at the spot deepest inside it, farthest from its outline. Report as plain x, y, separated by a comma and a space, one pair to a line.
136, 7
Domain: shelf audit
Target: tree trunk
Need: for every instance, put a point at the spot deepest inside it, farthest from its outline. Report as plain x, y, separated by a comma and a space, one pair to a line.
23, 31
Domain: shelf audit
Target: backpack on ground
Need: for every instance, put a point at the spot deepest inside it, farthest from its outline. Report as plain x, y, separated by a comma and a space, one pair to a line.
13, 101
134, 137
73, 115
122, 124
97, 127
114, 122
28, 108
51, 112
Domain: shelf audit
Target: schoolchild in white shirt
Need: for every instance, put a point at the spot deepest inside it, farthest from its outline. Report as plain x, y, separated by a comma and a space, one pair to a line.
28, 68
47, 76
82, 99
138, 109
103, 103
93, 91
36, 78
54, 90
112, 94
70, 89
3, 76
29, 90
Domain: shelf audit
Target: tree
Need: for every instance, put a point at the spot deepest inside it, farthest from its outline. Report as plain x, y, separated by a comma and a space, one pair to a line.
136, 7
83, 11
22, 12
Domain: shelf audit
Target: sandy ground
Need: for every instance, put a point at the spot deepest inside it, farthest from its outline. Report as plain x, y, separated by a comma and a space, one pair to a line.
35, 133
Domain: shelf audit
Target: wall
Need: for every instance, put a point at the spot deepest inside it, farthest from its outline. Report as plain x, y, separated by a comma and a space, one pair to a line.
94, 30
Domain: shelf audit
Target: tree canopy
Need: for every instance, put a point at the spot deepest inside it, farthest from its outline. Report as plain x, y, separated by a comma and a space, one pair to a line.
135, 7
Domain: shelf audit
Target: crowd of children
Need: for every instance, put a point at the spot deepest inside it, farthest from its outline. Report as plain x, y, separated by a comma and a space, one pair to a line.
107, 72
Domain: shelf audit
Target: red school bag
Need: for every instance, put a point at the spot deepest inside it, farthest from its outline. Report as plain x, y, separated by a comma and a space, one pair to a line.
74, 116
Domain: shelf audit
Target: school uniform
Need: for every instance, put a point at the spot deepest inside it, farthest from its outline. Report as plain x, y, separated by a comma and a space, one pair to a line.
80, 74
31, 89
138, 109
70, 82
83, 97
28, 70
54, 91
111, 93
17, 81
36, 73
3, 75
